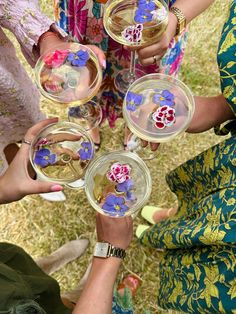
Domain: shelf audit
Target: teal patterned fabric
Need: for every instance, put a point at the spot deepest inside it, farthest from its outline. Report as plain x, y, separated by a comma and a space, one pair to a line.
122, 304
226, 58
198, 266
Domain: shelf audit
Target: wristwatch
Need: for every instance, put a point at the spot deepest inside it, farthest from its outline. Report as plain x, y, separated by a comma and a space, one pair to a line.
104, 250
181, 19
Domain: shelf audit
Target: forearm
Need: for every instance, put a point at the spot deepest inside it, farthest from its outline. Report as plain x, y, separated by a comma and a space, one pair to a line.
209, 112
96, 297
191, 9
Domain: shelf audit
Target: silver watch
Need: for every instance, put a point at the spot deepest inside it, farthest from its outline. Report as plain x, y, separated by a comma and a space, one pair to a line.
104, 250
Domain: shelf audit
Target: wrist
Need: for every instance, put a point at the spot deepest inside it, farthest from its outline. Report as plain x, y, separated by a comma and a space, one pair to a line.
107, 263
172, 26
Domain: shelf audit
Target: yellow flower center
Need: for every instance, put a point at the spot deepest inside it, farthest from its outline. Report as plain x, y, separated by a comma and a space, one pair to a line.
46, 157
117, 207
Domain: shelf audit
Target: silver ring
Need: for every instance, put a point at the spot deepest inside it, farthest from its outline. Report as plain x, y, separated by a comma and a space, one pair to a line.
156, 58
26, 142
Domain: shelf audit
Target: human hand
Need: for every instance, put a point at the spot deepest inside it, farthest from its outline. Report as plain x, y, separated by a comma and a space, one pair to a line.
16, 181
219, 110
153, 53
116, 231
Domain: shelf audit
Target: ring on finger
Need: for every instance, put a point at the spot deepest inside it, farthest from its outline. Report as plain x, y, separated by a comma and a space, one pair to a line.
26, 141
156, 58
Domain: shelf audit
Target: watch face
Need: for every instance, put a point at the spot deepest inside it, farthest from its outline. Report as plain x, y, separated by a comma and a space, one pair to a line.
101, 249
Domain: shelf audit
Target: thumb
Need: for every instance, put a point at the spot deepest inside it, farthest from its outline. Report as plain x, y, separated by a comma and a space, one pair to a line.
37, 187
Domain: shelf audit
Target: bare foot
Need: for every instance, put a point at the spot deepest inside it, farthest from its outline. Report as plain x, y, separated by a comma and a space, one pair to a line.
164, 214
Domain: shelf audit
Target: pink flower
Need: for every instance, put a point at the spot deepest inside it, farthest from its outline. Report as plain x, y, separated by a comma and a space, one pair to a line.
164, 116
95, 29
56, 58
133, 33
119, 173
77, 19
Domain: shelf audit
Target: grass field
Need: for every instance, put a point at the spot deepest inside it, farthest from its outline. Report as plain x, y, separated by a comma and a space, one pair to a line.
41, 227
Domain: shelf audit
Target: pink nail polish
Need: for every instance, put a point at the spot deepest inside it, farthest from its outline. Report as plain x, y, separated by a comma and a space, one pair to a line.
104, 64
56, 188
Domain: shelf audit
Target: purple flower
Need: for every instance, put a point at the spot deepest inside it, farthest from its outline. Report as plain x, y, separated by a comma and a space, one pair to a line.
74, 112
43, 158
86, 152
115, 205
133, 101
146, 4
142, 16
79, 58
165, 98
126, 187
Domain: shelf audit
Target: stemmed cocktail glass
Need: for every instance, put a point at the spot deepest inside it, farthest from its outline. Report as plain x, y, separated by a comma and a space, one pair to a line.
156, 108
136, 24
71, 75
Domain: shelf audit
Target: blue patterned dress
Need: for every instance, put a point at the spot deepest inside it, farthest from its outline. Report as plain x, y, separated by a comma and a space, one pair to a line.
198, 267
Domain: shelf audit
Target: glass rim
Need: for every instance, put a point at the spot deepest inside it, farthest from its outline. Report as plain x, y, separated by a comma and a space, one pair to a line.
96, 162
72, 124
144, 27
54, 98
137, 130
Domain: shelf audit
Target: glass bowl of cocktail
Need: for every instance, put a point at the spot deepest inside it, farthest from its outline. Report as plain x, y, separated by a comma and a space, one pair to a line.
71, 75
61, 152
118, 184
136, 24
157, 108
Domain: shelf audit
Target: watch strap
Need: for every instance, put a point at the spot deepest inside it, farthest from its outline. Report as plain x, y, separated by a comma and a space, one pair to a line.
116, 252
181, 19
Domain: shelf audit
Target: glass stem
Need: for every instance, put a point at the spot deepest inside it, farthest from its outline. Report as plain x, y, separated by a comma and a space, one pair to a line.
132, 67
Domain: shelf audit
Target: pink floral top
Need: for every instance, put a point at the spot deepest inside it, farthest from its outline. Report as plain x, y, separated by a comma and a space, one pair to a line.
19, 98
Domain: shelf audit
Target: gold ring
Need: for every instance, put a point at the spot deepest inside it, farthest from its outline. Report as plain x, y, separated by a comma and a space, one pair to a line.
26, 141
156, 58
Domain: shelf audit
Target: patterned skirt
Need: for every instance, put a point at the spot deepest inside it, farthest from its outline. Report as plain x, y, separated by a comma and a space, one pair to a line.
198, 267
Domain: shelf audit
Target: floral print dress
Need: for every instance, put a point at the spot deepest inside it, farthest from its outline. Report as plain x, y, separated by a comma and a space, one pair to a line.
83, 21
19, 98
198, 267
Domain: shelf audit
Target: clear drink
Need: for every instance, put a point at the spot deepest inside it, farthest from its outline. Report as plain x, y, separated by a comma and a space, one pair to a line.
158, 107
132, 24
118, 184
69, 75
61, 152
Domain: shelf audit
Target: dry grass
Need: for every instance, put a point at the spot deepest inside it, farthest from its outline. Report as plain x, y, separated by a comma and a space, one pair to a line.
41, 227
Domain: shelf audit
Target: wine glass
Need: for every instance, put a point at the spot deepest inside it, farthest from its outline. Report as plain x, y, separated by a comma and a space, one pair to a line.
156, 108
118, 184
136, 24
61, 152
71, 74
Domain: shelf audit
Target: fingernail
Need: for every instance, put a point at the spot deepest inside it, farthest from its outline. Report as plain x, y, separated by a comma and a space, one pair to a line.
104, 64
56, 188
